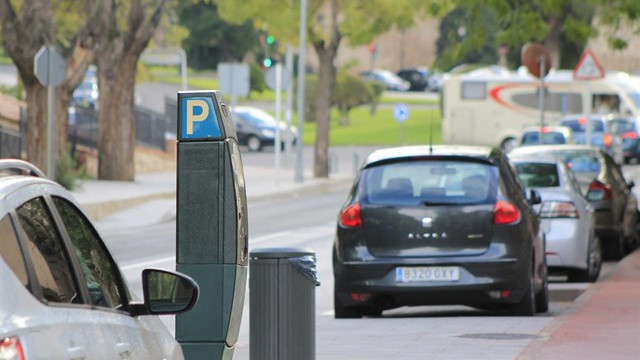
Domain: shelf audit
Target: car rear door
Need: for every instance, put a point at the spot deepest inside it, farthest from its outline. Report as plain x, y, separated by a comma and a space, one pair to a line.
428, 208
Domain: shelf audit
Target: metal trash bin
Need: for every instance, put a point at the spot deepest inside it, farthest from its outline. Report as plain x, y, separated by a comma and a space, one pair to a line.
282, 304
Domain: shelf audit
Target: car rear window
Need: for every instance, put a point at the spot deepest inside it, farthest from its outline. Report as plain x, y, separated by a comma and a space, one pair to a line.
432, 182
538, 174
620, 126
548, 138
579, 126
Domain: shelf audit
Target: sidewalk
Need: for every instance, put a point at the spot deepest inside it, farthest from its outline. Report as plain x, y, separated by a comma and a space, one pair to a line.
603, 323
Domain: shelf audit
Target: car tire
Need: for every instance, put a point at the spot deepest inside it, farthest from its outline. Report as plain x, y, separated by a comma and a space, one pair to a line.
594, 264
614, 248
527, 306
254, 144
345, 312
542, 297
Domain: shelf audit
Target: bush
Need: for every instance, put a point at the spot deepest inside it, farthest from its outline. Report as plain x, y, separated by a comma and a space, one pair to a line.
256, 78
68, 172
349, 92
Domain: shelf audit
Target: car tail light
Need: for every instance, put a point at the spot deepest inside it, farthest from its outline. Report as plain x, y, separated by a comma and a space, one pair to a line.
630, 135
599, 191
505, 213
607, 140
11, 349
351, 216
559, 209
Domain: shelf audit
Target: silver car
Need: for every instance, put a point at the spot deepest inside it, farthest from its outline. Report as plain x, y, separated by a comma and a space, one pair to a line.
62, 296
566, 216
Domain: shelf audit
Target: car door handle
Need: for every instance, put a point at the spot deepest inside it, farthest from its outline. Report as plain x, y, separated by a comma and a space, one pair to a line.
76, 353
123, 351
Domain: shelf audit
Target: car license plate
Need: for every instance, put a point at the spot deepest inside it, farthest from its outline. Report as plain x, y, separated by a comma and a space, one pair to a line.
430, 273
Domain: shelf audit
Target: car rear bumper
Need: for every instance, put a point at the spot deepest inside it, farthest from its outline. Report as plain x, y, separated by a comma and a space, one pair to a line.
479, 278
567, 244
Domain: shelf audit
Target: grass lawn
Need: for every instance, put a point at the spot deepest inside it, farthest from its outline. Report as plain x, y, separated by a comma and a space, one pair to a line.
380, 129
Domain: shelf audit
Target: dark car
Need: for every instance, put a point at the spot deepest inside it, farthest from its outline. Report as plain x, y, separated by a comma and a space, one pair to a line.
627, 128
600, 135
256, 128
450, 225
418, 78
602, 180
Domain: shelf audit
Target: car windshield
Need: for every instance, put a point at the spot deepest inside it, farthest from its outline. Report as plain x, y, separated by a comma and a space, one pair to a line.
537, 174
635, 96
549, 138
257, 118
579, 125
620, 126
428, 183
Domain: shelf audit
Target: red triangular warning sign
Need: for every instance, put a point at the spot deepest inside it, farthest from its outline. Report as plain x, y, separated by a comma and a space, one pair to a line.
588, 67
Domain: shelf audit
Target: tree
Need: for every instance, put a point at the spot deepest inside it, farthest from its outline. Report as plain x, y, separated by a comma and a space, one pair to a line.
349, 92
328, 23
25, 29
211, 39
123, 30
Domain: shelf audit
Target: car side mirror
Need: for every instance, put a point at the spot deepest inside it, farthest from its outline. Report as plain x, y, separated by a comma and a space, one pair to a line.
166, 293
534, 197
631, 184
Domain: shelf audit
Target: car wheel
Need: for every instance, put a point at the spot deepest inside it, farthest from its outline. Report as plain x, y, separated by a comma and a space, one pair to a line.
527, 306
542, 297
254, 144
614, 248
345, 312
594, 264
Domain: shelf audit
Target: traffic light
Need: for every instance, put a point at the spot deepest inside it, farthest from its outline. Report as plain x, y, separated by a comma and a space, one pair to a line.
267, 62
270, 40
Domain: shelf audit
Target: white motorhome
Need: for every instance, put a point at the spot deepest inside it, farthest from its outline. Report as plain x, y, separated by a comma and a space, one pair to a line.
492, 105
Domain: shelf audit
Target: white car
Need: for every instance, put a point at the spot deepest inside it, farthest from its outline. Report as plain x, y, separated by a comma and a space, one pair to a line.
566, 216
62, 296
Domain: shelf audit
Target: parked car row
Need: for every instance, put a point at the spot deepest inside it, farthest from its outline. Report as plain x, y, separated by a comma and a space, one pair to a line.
605, 131
407, 79
460, 225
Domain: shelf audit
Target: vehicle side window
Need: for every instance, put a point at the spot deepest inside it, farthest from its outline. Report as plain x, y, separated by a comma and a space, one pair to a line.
10, 250
512, 181
100, 271
46, 253
616, 174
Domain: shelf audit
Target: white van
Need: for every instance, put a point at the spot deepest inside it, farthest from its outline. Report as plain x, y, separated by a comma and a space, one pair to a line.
491, 106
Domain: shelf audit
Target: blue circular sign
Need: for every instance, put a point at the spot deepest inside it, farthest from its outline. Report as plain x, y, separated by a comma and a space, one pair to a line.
401, 113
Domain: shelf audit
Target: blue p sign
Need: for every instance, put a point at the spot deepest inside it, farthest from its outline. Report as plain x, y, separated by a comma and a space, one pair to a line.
198, 118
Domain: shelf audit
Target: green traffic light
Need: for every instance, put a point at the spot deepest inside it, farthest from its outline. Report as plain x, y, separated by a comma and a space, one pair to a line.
270, 40
267, 62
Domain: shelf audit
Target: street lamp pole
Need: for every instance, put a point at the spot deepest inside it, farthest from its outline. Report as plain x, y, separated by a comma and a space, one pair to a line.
301, 73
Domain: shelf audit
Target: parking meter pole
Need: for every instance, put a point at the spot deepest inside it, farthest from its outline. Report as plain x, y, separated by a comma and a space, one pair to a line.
211, 226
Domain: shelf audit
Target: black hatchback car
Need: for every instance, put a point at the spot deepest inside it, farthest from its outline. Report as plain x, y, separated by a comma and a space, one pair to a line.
442, 226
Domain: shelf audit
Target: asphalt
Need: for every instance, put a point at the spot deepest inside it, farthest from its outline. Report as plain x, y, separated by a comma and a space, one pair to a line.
602, 323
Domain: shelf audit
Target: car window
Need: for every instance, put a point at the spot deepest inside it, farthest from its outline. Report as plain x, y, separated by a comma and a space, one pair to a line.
430, 182
100, 271
620, 126
10, 250
548, 138
46, 254
537, 174
580, 125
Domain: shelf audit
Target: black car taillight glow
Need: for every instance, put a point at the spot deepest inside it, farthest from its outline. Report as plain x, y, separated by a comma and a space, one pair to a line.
505, 213
559, 209
351, 216
11, 349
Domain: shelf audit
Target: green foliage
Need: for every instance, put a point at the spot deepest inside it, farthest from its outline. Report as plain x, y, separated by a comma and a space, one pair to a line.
68, 172
256, 78
211, 39
349, 92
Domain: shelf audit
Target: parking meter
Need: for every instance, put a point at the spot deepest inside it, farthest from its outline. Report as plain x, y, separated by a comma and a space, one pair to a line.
211, 244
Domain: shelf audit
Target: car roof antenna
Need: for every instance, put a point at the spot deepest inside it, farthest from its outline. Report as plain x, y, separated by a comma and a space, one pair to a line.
431, 134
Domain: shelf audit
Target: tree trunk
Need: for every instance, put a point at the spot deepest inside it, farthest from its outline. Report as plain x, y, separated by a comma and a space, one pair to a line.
552, 42
116, 119
326, 81
37, 125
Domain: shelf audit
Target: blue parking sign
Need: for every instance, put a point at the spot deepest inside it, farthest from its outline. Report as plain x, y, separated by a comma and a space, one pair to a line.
198, 118
401, 113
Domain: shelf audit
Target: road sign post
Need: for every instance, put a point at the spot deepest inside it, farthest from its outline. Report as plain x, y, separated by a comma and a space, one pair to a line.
401, 114
49, 68
588, 69
211, 226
